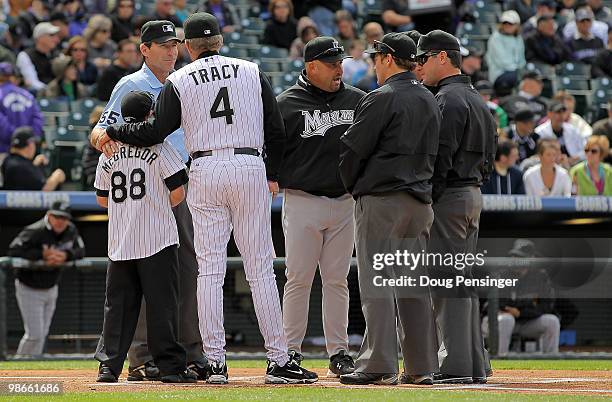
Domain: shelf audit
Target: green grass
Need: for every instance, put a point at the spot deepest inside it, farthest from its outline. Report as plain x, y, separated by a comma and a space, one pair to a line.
305, 394
497, 364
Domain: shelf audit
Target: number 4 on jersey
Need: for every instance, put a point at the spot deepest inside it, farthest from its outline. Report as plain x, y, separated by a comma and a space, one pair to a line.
227, 111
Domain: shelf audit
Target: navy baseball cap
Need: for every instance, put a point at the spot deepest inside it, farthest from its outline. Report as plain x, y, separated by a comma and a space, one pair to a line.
398, 45
324, 48
437, 40
524, 115
158, 31
22, 136
201, 25
136, 106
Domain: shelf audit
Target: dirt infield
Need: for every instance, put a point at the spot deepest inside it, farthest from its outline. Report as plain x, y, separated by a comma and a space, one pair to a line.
564, 382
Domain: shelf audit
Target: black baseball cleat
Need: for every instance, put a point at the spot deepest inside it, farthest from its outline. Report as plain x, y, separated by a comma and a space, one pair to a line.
201, 368
145, 372
440, 378
290, 373
426, 379
296, 356
368, 378
479, 380
185, 376
339, 364
105, 374
217, 373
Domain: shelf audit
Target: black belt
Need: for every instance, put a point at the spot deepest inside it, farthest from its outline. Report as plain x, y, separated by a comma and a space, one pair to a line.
237, 151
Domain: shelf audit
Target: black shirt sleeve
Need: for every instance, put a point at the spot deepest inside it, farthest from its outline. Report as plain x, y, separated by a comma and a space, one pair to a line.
176, 180
26, 245
274, 130
146, 134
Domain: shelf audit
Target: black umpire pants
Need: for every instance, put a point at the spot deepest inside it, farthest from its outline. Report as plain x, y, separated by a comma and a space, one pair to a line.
155, 277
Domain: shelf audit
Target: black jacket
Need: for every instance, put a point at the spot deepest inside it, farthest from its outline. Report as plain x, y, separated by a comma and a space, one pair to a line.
29, 245
280, 34
545, 49
393, 141
468, 136
20, 174
314, 121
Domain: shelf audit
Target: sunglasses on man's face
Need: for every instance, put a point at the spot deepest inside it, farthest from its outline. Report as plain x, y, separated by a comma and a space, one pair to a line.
380, 47
421, 60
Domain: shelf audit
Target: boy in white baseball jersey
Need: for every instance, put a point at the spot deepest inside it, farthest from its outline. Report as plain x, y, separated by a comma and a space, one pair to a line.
139, 186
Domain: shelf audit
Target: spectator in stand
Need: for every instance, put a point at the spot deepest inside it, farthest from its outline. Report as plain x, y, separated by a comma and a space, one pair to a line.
570, 139
27, 20
531, 311
17, 108
306, 31
372, 31
547, 179
593, 176
572, 118
21, 170
90, 154
544, 8
602, 63
485, 89
127, 62
323, 13
529, 96
505, 53
598, 29
521, 132
181, 10
281, 29
471, 64
601, 12
56, 241
604, 126
77, 49
584, 46
34, 63
355, 67
396, 15
506, 178
524, 8
224, 12
75, 11
164, 11
544, 46
101, 48
60, 20
66, 83
123, 21
347, 32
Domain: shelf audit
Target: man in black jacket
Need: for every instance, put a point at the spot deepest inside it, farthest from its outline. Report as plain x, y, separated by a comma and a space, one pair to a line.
317, 210
387, 162
56, 241
465, 159
543, 45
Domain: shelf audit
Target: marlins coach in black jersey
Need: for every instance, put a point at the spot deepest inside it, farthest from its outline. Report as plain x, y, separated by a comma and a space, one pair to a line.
387, 164
317, 210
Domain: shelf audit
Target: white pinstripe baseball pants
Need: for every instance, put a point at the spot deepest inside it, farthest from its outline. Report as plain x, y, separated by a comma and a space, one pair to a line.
228, 192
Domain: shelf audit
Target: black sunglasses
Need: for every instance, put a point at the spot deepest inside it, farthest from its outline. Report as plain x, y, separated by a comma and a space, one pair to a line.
421, 60
333, 51
380, 47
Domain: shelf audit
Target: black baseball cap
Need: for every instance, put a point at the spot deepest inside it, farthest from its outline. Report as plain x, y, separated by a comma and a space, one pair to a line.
437, 40
136, 106
21, 136
397, 44
158, 31
524, 115
324, 48
414, 35
60, 208
533, 75
484, 87
545, 17
201, 25
556, 107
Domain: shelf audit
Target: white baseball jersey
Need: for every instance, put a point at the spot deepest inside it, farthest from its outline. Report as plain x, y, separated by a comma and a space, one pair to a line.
141, 222
221, 103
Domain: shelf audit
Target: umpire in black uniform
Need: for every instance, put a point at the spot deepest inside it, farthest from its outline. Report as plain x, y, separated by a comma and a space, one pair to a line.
387, 163
465, 159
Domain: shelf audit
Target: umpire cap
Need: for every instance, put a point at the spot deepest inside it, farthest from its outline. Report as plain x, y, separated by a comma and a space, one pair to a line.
397, 44
159, 31
201, 25
136, 106
324, 48
437, 40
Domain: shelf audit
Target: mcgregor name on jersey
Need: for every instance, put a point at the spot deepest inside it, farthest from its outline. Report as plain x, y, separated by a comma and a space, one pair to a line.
318, 123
